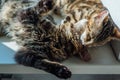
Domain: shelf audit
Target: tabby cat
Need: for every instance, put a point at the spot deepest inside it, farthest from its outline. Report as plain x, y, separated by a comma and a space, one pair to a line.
44, 42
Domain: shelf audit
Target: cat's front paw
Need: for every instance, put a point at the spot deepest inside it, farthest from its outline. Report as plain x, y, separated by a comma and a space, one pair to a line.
63, 72
44, 6
28, 16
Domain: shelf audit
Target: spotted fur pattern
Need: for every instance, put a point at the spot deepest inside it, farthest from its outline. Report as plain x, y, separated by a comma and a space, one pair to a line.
88, 19
44, 42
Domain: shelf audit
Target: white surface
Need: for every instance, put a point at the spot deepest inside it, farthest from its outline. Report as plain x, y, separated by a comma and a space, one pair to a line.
103, 60
114, 9
7, 51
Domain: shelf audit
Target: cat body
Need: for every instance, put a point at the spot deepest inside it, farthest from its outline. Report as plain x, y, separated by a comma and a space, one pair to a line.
44, 42
90, 20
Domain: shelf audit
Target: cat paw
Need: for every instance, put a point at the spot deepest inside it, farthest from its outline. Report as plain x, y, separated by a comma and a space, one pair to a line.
84, 54
28, 16
86, 58
63, 72
45, 6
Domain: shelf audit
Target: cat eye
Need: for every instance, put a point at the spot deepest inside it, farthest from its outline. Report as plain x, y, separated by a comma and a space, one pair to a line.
105, 32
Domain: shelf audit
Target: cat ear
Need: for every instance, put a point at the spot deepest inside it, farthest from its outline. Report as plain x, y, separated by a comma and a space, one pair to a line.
116, 33
101, 17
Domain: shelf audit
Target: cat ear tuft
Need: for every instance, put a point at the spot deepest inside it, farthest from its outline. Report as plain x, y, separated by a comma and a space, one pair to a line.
102, 16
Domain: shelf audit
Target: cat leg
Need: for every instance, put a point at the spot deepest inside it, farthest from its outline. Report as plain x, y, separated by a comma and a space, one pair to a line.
45, 6
58, 55
83, 53
28, 16
31, 58
32, 14
55, 68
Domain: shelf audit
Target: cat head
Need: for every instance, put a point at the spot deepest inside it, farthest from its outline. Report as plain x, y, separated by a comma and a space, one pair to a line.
100, 30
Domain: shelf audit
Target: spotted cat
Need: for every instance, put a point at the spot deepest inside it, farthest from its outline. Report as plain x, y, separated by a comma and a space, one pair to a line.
44, 42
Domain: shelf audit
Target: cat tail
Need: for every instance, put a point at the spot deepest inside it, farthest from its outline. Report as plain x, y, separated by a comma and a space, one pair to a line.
30, 58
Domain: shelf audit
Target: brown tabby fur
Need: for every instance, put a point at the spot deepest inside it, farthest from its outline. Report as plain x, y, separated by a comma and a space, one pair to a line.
45, 42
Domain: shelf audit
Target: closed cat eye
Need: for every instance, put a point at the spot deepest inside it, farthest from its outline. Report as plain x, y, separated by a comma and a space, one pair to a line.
105, 24
106, 31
